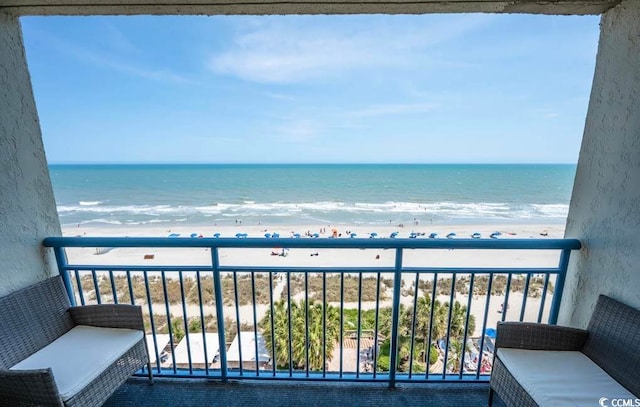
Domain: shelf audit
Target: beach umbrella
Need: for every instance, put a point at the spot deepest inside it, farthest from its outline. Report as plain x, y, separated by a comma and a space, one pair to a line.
216, 235
238, 235
495, 235
275, 235
393, 235
413, 235
490, 332
476, 235
433, 235
296, 235
194, 235
245, 235
267, 235
316, 235
373, 234
451, 235
174, 235
353, 235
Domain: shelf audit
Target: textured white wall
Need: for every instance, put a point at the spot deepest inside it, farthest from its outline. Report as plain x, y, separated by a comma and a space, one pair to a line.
605, 205
27, 207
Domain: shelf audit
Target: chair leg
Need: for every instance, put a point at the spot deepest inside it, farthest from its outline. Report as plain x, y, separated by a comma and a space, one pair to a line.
490, 397
150, 373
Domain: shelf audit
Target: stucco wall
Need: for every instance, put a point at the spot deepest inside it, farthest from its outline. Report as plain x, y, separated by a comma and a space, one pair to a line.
27, 206
605, 205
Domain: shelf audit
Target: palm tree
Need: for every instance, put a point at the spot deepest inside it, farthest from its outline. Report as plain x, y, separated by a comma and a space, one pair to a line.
298, 344
458, 319
280, 333
423, 313
440, 322
454, 356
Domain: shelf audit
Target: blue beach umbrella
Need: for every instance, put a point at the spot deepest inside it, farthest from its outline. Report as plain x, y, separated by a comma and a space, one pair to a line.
373, 235
267, 235
194, 235
238, 235
353, 235
433, 235
451, 235
495, 235
316, 235
490, 332
216, 235
476, 235
275, 235
393, 235
413, 235
174, 235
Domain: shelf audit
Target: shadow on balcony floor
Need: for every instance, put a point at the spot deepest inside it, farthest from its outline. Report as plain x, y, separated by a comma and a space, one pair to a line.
197, 392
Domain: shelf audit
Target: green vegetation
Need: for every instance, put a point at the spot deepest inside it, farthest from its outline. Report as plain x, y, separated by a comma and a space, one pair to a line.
349, 289
403, 360
194, 325
481, 284
298, 345
174, 289
422, 329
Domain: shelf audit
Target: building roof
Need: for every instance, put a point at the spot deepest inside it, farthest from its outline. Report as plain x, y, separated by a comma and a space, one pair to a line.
161, 339
197, 348
248, 340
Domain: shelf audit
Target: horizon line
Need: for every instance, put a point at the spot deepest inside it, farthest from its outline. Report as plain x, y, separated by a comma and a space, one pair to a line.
314, 163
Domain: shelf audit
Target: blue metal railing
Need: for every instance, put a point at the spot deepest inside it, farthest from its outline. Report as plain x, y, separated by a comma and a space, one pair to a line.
425, 327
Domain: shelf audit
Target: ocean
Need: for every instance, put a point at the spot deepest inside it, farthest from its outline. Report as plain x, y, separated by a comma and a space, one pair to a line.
292, 194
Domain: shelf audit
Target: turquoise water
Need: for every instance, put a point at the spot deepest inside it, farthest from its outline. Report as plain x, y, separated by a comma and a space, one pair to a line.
304, 194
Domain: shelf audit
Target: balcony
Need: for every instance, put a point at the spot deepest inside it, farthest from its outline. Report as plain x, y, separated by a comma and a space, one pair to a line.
382, 323
187, 393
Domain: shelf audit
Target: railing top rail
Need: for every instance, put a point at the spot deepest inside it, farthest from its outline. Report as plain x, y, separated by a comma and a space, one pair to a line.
333, 243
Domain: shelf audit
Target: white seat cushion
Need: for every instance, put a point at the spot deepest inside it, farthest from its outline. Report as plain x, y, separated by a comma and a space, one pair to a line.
561, 378
80, 355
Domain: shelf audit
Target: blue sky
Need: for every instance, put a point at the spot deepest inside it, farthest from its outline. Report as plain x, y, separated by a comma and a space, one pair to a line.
473, 88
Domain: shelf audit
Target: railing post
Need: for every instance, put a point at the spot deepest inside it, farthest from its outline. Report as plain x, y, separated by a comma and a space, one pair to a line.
557, 291
217, 287
395, 316
61, 259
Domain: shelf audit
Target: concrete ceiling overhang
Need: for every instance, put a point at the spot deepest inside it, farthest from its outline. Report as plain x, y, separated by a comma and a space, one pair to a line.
263, 7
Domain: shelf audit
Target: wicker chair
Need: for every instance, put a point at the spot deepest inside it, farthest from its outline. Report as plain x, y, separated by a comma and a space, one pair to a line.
611, 341
33, 318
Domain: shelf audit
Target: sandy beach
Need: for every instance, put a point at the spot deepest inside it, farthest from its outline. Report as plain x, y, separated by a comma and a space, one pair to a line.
311, 258
325, 257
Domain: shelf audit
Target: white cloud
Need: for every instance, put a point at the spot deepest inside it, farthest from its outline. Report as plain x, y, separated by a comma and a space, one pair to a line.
274, 55
286, 50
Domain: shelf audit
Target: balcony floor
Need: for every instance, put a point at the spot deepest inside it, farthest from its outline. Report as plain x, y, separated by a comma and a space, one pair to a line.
198, 392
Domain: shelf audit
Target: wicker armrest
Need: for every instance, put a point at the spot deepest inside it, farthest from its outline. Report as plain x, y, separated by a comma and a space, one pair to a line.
29, 388
109, 316
523, 335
